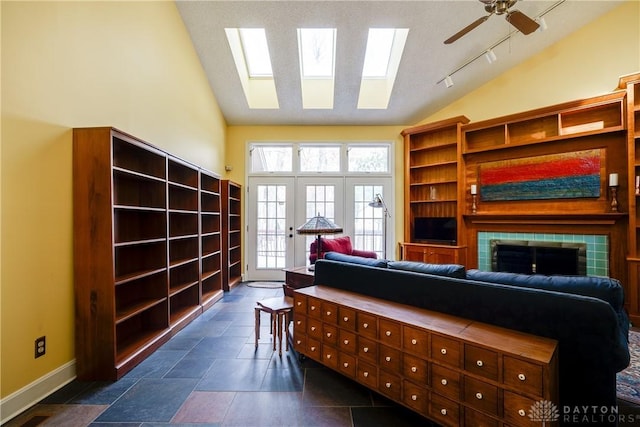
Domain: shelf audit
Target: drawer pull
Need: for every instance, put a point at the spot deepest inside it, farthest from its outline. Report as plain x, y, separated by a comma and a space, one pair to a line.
299, 303
345, 364
365, 374
299, 322
387, 385
480, 363
522, 377
328, 334
346, 342
366, 349
388, 358
479, 396
365, 325
443, 411
414, 397
313, 328
444, 381
521, 412
328, 356
414, 341
443, 350
313, 307
388, 333
328, 313
345, 318
298, 342
414, 369
313, 349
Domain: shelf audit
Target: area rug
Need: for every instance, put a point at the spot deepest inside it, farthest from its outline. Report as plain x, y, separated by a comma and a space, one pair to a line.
628, 381
268, 285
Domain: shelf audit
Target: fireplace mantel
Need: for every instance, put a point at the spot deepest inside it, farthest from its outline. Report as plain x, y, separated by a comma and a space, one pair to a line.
609, 218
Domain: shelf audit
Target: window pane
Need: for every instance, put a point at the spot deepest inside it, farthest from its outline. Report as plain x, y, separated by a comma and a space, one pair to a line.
368, 158
320, 158
276, 158
270, 228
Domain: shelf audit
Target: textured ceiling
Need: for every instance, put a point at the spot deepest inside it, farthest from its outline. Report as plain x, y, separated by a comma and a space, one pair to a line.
426, 59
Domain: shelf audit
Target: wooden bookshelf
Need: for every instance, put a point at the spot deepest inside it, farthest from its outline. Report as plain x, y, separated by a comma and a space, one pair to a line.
232, 234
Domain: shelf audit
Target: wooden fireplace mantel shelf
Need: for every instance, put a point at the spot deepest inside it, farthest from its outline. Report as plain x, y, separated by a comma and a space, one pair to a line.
605, 218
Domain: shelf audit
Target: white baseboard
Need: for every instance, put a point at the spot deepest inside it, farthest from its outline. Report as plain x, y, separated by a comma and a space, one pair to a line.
21, 400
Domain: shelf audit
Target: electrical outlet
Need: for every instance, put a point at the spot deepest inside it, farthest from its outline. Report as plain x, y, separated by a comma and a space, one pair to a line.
41, 346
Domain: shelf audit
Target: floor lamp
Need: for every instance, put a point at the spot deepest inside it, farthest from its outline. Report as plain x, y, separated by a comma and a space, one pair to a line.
318, 225
378, 202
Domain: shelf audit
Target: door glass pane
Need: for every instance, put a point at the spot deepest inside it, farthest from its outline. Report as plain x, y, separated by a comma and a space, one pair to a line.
369, 222
368, 158
320, 200
270, 226
273, 158
325, 158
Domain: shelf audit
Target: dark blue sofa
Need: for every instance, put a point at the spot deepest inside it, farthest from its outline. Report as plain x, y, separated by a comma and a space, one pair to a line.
584, 314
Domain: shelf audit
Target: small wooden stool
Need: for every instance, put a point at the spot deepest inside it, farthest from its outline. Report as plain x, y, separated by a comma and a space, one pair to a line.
280, 309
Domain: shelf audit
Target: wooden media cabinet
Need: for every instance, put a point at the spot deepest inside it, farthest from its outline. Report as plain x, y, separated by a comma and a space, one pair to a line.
451, 370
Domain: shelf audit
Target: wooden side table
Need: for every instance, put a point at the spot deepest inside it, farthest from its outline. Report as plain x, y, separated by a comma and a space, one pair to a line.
296, 278
279, 308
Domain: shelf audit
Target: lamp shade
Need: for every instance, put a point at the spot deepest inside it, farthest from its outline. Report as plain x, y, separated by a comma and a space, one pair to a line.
319, 225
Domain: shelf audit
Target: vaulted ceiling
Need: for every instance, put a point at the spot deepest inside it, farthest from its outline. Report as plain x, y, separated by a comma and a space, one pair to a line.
418, 91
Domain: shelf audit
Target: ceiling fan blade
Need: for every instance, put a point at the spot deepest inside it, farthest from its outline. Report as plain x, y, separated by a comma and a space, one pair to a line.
522, 22
466, 29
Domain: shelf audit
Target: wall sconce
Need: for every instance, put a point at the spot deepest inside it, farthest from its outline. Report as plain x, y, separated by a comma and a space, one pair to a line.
474, 195
613, 185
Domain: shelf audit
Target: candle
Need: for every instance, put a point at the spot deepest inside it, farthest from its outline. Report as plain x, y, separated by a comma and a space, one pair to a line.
613, 180
474, 189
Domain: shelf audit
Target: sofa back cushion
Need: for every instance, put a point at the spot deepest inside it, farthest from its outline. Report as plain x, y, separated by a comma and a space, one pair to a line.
339, 244
371, 262
604, 288
449, 270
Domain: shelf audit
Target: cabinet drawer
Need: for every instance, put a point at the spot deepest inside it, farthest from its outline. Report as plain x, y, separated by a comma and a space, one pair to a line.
445, 382
314, 307
445, 350
329, 313
415, 340
481, 361
368, 374
300, 304
415, 397
330, 356
367, 325
516, 409
416, 369
347, 364
299, 325
390, 332
526, 376
313, 349
367, 350
300, 342
389, 384
347, 318
444, 410
314, 329
389, 358
330, 334
481, 395
347, 341
476, 419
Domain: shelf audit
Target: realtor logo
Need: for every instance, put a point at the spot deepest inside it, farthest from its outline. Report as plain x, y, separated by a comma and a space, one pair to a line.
544, 411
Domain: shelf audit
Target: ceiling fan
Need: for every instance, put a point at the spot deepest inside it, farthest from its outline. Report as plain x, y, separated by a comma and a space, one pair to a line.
522, 22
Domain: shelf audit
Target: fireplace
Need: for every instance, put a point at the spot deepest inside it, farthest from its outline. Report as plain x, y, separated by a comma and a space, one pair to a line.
538, 257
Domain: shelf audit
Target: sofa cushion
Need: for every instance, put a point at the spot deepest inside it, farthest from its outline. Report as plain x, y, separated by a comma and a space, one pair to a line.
371, 262
449, 270
339, 244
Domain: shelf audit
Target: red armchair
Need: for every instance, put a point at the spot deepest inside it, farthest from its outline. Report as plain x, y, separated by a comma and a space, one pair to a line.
339, 244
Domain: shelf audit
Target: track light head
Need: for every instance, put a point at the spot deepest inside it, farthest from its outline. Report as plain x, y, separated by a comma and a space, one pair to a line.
542, 23
448, 81
491, 56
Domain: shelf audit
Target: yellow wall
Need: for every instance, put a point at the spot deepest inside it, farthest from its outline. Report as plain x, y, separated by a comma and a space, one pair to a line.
77, 64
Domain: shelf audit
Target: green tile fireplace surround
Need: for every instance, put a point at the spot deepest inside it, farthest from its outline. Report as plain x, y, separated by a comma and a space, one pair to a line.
597, 247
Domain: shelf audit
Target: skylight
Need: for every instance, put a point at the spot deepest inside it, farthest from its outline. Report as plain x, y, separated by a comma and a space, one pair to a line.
256, 52
382, 59
317, 50
251, 56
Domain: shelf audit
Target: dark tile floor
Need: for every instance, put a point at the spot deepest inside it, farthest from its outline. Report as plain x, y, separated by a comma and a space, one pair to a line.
210, 374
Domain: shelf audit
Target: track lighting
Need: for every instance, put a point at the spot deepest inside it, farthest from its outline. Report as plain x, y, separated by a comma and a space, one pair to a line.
542, 23
491, 56
448, 81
